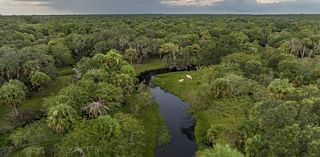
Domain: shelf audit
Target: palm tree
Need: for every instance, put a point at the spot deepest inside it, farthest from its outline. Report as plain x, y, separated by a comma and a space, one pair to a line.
13, 93
131, 55
280, 89
169, 48
95, 109
61, 118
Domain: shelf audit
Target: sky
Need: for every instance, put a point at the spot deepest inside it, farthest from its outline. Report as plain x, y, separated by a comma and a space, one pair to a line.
30, 7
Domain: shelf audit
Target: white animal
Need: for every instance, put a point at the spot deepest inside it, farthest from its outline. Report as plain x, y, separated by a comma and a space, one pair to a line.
181, 80
189, 77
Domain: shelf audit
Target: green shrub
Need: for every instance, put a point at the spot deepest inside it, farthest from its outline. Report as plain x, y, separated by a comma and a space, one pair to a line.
34, 151
220, 151
35, 133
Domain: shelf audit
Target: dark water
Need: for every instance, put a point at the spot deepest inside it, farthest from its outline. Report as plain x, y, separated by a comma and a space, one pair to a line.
180, 125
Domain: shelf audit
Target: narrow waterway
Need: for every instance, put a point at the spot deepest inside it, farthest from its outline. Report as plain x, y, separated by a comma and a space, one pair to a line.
180, 124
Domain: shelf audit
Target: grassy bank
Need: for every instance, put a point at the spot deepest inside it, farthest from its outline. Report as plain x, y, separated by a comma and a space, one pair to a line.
225, 115
151, 64
150, 118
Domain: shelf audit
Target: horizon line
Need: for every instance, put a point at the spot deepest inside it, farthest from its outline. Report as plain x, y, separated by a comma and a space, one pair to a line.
112, 14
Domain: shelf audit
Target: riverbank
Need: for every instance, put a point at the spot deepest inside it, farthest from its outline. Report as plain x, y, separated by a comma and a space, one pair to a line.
150, 64
225, 115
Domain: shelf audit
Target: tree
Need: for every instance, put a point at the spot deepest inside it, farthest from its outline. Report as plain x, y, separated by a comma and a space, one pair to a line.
13, 93
105, 136
34, 151
60, 52
125, 82
128, 69
193, 53
79, 45
286, 128
252, 69
113, 59
229, 86
30, 67
97, 75
220, 151
36, 133
61, 118
131, 55
169, 48
95, 109
109, 95
306, 50
39, 79
280, 89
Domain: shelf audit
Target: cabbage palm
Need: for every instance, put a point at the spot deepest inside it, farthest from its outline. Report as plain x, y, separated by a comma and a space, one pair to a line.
95, 109
61, 118
13, 93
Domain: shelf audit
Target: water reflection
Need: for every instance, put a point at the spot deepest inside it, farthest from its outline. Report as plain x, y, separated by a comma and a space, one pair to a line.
180, 124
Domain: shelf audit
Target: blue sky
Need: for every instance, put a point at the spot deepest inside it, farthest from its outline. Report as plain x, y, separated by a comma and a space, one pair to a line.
158, 6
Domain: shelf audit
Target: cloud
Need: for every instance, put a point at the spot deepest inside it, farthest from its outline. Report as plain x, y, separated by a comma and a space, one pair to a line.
190, 2
157, 6
27, 7
272, 1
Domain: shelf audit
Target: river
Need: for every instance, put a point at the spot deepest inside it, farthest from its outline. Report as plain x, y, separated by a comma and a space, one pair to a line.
180, 124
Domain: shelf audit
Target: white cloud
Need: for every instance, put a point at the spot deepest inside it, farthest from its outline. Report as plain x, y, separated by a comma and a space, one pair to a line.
201, 3
13, 7
271, 1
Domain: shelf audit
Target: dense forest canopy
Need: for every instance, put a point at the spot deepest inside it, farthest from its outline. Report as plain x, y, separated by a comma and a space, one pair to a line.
267, 65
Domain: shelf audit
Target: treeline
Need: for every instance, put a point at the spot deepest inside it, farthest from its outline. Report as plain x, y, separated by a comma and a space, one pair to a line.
179, 40
271, 60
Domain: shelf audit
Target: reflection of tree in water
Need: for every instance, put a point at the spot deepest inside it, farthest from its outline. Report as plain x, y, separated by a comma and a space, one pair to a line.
188, 127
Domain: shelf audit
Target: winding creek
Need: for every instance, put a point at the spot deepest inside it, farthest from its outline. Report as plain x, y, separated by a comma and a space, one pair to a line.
175, 113
180, 125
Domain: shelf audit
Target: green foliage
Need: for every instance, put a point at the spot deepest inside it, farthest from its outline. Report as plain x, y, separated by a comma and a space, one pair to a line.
291, 69
60, 52
219, 71
149, 65
39, 79
220, 151
13, 93
213, 134
164, 135
125, 82
145, 100
286, 128
208, 111
252, 69
131, 55
34, 152
280, 89
33, 134
250, 48
61, 118
106, 136
138, 105
170, 50
95, 109
240, 58
229, 86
